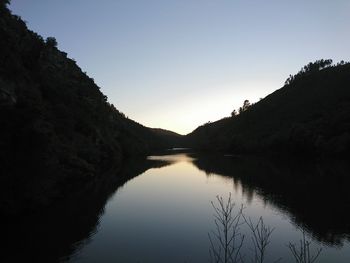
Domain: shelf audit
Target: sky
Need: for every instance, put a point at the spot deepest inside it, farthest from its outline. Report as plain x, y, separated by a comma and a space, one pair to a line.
177, 64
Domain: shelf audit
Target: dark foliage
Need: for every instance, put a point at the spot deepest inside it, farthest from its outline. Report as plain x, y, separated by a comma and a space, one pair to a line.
51, 42
309, 115
57, 128
310, 68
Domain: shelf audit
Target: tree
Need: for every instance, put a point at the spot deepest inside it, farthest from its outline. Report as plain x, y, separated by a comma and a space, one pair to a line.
233, 113
310, 68
4, 3
246, 105
261, 235
317, 65
302, 253
51, 42
226, 240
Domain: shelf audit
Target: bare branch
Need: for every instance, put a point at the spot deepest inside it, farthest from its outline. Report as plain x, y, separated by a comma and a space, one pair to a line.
302, 254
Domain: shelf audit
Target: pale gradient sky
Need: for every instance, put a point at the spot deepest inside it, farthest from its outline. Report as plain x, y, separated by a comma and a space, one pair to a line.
176, 64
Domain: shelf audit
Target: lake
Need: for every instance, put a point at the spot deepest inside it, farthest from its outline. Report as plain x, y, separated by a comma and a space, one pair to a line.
159, 210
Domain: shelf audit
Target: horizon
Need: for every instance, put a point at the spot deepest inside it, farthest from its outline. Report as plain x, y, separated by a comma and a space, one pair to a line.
177, 65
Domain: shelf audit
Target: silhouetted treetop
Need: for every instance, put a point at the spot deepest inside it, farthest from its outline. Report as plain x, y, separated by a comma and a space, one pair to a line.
51, 42
233, 113
245, 106
310, 68
5, 2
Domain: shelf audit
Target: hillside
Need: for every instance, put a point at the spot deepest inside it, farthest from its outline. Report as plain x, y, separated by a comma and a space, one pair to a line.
170, 138
310, 114
57, 128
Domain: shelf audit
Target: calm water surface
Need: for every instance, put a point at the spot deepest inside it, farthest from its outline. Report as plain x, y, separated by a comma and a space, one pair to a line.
164, 214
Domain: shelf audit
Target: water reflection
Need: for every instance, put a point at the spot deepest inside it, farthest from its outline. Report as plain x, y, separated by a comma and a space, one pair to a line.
165, 214
55, 235
315, 195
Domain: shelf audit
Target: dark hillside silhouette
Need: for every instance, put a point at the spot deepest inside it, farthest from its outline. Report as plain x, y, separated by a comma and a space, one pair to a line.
170, 138
57, 128
309, 115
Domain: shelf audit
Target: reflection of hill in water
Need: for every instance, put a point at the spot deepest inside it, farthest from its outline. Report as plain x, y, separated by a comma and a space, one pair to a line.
320, 205
316, 196
57, 234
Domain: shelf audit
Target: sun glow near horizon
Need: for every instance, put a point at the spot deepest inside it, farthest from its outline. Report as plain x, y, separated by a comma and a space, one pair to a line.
186, 115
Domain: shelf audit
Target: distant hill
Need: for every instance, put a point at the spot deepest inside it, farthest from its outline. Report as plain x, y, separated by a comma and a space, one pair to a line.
165, 132
170, 138
57, 127
310, 114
